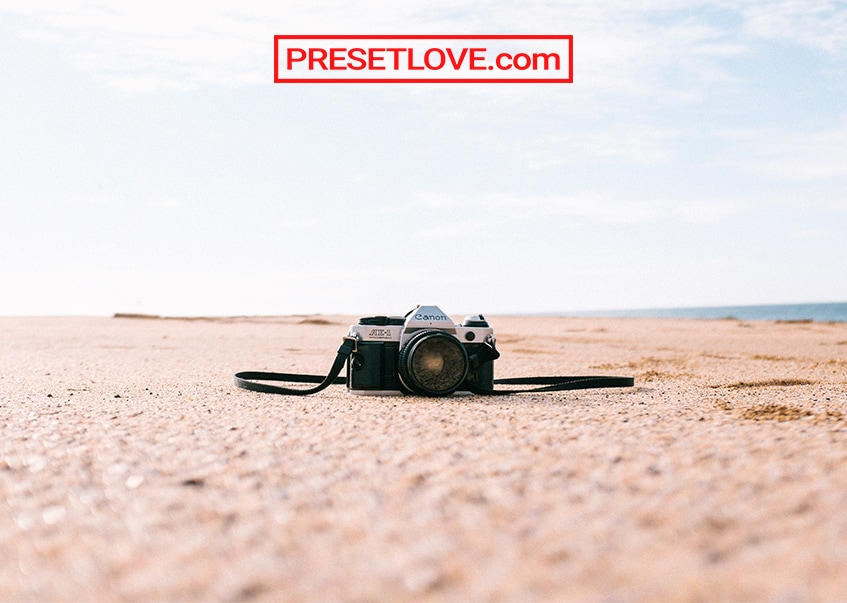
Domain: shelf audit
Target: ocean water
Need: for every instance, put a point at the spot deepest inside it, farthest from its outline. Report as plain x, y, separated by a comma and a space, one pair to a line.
831, 312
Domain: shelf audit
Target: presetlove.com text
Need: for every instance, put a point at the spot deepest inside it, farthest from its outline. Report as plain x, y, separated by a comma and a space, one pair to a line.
423, 59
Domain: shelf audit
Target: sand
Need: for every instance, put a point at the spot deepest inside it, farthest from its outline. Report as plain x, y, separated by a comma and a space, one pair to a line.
132, 470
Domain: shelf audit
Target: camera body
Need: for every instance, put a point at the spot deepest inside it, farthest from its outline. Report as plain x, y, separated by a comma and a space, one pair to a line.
423, 353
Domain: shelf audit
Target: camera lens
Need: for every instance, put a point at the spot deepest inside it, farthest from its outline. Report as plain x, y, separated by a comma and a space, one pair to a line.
433, 363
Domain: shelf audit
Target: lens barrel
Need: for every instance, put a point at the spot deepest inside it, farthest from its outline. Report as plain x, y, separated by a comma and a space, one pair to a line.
433, 363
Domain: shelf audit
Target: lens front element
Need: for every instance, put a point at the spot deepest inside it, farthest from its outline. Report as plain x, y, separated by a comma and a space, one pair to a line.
433, 363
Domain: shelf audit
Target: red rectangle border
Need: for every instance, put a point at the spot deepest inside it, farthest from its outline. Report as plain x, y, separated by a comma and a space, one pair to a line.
568, 80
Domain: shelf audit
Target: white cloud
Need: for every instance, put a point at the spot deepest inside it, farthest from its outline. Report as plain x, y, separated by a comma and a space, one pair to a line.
458, 231
126, 200
813, 23
803, 155
141, 47
807, 235
100, 199
140, 84
164, 44
623, 38
634, 143
435, 199
708, 212
588, 206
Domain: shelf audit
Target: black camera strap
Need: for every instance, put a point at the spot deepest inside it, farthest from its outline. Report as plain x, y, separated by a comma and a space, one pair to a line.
250, 380
247, 379
553, 384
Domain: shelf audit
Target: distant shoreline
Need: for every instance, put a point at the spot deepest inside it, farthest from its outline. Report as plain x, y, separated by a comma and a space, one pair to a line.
818, 312
793, 313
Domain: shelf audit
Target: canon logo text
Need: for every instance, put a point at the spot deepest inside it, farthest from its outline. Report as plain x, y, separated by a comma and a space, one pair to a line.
431, 317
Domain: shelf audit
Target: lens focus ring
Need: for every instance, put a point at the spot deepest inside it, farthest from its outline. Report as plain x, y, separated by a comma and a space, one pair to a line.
433, 363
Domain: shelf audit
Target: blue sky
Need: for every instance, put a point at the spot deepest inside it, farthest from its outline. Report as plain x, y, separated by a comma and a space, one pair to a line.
149, 164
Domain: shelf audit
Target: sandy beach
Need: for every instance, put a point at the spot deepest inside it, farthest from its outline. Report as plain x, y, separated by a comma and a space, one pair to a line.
131, 469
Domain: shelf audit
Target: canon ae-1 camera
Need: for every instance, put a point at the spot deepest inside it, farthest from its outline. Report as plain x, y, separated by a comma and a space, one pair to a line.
423, 353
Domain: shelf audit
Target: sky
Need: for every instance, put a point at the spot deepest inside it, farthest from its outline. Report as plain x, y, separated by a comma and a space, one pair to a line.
149, 163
